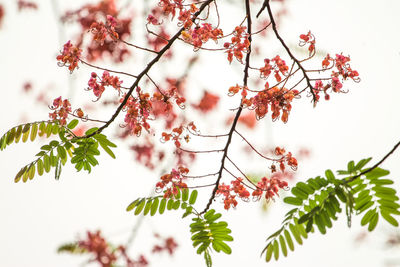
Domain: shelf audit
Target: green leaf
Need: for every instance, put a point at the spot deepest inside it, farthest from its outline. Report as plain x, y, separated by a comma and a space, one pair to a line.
72, 124
147, 207
367, 217
295, 233
18, 134
54, 129
163, 203
293, 201
362, 163
154, 206
389, 218
283, 245
19, 174
46, 163
132, 205
107, 150
276, 250
140, 206
224, 247
373, 222
176, 204
48, 129
350, 166
193, 197
299, 193
207, 258
91, 130
289, 240
330, 176
270, 249
40, 168
185, 194
25, 134
170, 203
42, 129
61, 152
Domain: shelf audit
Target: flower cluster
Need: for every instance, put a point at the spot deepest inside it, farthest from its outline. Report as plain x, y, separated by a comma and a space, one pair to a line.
61, 110
106, 255
87, 18
200, 35
341, 71
308, 39
239, 44
172, 181
169, 245
229, 193
269, 186
69, 56
101, 31
98, 84
178, 134
275, 98
285, 158
279, 67
138, 110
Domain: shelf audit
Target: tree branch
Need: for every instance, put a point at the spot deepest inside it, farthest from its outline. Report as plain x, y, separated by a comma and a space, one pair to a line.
239, 111
266, 3
146, 70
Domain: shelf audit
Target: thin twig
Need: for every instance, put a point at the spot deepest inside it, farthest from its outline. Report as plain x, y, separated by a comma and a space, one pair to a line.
373, 167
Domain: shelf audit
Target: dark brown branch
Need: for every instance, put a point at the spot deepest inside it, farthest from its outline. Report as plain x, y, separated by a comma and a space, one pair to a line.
266, 3
239, 111
375, 166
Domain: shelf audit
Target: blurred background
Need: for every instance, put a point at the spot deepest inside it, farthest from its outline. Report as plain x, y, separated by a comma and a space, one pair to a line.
40, 215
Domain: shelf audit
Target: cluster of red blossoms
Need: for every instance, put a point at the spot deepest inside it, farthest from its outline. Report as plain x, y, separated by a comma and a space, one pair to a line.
69, 56
288, 159
239, 44
87, 16
137, 112
172, 182
279, 67
268, 186
277, 99
237, 188
98, 84
177, 134
61, 110
308, 39
105, 255
101, 31
200, 35
342, 71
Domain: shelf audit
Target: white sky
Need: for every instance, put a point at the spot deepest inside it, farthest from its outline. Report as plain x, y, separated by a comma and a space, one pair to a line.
41, 214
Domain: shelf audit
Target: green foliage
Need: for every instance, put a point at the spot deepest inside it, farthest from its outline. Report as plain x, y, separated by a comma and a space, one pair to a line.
29, 131
151, 205
72, 248
81, 150
208, 233
318, 201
